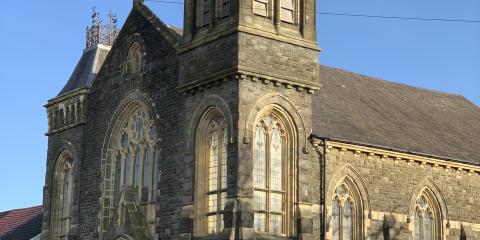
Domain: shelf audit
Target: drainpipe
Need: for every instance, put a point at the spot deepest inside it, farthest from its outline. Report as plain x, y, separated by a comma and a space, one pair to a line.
324, 184
320, 144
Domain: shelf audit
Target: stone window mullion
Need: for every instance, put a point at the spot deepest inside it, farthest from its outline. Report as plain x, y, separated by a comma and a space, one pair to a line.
267, 176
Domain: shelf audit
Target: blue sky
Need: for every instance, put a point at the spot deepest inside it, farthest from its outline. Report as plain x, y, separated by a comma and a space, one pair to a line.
41, 42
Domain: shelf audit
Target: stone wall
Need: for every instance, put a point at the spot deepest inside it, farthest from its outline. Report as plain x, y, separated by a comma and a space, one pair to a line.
278, 60
67, 140
255, 96
156, 83
211, 60
393, 183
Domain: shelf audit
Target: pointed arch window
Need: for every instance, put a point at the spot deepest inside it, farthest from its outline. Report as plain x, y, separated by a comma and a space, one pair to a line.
270, 159
134, 58
217, 175
425, 218
211, 173
63, 196
66, 199
136, 143
345, 214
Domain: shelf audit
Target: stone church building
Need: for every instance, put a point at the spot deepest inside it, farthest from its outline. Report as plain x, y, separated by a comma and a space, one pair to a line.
231, 129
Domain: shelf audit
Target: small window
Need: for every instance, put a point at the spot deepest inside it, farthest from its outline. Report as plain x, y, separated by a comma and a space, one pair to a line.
260, 7
206, 12
226, 8
287, 11
134, 58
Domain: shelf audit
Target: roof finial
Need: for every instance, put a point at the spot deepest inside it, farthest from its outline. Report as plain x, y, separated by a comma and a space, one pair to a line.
137, 2
100, 34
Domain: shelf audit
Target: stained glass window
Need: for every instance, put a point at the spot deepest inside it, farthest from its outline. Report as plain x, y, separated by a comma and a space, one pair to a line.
155, 172
217, 174
136, 169
424, 219
118, 174
417, 226
259, 158
134, 155
427, 226
128, 164
343, 213
336, 220
146, 174
269, 176
347, 221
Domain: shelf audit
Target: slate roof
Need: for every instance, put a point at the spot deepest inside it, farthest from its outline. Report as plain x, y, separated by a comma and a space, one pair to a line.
21, 224
86, 69
364, 110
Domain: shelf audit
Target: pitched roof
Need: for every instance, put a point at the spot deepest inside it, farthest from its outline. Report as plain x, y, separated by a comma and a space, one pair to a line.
21, 224
360, 109
87, 68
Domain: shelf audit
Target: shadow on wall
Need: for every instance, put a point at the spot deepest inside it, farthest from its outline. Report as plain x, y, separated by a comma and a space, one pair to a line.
390, 229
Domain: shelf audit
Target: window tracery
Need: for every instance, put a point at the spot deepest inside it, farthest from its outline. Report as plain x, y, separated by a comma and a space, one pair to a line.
217, 174
346, 213
136, 144
211, 171
424, 219
269, 170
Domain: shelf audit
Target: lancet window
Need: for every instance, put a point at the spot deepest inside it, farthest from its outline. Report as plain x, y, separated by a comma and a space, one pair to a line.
343, 213
347, 212
425, 219
270, 159
134, 58
63, 191
217, 174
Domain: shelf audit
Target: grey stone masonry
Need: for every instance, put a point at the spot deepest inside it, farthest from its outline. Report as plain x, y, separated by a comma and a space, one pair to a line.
239, 63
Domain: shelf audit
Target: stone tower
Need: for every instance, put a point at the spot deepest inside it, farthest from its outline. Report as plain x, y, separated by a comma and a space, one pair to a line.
66, 126
242, 58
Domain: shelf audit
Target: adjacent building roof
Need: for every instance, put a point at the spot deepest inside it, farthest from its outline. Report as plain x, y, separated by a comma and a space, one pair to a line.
87, 68
365, 110
21, 224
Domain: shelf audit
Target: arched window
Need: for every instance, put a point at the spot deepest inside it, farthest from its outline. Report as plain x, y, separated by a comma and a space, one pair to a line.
217, 174
211, 172
62, 196
270, 161
346, 212
136, 144
134, 58
427, 219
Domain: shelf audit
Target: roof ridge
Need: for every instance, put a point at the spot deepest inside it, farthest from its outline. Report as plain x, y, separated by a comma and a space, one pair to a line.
158, 24
25, 208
